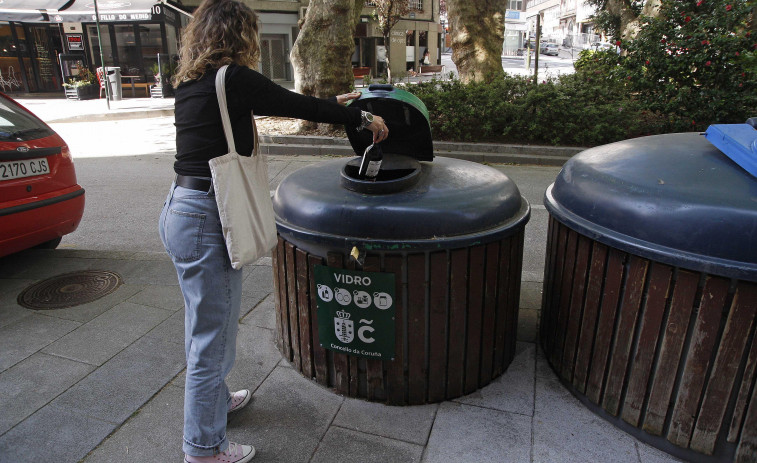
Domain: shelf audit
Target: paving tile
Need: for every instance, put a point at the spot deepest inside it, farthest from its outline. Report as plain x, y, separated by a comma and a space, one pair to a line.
250, 300
348, 446
150, 255
256, 359
11, 266
160, 296
100, 339
60, 435
40, 268
10, 288
124, 383
171, 329
649, 454
31, 383
263, 315
410, 424
11, 313
257, 285
288, 417
514, 390
528, 325
462, 433
152, 435
17, 341
535, 242
565, 430
159, 272
530, 295
86, 312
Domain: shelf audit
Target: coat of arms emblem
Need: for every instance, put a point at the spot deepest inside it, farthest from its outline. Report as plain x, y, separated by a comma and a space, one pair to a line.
344, 327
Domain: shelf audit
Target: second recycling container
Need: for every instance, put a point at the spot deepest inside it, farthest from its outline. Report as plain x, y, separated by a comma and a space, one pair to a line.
650, 292
403, 289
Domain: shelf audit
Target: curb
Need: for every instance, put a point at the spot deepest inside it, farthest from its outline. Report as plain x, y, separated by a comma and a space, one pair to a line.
304, 145
114, 116
476, 152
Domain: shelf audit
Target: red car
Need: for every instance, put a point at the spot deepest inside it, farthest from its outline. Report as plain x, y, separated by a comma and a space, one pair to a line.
40, 200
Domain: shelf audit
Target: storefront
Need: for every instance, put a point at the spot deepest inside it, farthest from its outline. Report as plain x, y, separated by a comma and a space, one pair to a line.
135, 35
409, 40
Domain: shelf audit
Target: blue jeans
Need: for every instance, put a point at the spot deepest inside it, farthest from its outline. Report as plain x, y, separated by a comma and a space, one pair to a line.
191, 233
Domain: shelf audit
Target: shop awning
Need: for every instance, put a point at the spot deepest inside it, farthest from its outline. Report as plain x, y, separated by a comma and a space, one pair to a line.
74, 11
31, 11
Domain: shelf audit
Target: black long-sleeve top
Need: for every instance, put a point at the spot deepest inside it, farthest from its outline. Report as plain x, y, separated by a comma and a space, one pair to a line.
199, 130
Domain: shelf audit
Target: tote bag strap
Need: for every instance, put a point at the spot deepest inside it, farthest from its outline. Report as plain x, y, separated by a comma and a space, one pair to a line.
221, 95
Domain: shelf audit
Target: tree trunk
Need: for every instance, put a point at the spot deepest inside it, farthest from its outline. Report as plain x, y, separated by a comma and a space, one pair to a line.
477, 30
321, 55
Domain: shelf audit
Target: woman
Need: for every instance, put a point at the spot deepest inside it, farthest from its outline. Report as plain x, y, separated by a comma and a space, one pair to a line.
223, 32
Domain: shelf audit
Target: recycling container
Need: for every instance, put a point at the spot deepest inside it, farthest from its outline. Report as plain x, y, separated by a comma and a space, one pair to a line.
114, 80
403, 289
649, 301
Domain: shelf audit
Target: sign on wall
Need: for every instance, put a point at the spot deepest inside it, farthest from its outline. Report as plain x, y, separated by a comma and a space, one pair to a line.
74, 42
356, 311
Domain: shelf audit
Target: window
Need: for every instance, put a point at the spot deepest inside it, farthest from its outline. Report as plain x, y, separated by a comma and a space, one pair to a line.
515, 5
416, 5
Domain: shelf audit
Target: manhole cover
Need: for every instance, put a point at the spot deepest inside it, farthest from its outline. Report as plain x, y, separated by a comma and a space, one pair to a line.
69, 289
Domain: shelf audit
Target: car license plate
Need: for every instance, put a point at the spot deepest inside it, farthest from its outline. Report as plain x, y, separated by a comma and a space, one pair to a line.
23, 168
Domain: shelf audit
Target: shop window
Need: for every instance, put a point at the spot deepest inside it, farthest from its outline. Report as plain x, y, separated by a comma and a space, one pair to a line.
151, 44
10, 75
410, 49
128, 50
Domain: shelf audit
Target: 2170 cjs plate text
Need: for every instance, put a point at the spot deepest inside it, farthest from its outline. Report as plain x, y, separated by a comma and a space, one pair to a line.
24, 168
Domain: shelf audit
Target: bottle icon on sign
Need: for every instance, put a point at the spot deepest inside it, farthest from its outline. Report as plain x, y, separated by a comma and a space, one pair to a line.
382, 300
324, 292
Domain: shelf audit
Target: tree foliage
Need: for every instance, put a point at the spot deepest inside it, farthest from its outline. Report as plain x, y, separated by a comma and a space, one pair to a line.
696, 60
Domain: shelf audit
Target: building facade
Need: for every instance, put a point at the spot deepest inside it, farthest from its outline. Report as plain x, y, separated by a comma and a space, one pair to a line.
40, 49
566, 22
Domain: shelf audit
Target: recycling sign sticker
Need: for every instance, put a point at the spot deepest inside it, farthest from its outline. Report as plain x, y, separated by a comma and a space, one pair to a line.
356, 311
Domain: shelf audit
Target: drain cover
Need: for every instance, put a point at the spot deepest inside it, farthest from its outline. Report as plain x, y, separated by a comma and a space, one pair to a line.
69, 290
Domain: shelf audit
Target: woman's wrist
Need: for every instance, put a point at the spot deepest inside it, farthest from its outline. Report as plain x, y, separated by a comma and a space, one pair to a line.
366, 119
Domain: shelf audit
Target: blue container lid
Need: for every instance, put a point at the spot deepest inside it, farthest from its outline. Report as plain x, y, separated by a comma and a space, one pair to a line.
737, 141
454, 203
671, 198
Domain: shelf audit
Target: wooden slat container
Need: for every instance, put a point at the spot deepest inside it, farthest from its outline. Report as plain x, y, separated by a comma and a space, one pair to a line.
652, 324
455, 253
455, 329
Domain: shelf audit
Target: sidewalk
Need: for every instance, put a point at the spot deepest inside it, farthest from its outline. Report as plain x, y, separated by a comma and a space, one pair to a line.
103, 381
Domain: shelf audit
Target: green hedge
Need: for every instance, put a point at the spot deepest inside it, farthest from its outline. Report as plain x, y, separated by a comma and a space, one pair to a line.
582, 109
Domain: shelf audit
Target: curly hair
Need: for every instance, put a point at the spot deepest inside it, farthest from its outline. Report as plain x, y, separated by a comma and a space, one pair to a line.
221, 32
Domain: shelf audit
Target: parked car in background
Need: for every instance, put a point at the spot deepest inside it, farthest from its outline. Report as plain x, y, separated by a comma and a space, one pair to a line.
550, 49
602, 46
40, 201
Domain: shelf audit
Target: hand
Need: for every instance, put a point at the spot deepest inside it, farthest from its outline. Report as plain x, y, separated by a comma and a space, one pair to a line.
344, 98
379, 129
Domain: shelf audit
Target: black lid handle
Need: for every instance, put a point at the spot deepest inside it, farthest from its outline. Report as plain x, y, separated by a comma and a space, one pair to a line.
385, 87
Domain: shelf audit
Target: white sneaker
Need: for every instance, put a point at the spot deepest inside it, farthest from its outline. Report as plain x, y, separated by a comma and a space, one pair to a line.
236, 453
239, 400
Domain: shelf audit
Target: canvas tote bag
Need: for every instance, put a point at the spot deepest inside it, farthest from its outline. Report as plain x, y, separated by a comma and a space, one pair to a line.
242, 194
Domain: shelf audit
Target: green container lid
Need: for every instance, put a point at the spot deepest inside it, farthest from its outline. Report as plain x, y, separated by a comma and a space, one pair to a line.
406, 117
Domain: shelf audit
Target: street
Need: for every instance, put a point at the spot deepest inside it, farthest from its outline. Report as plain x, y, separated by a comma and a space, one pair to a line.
549, 66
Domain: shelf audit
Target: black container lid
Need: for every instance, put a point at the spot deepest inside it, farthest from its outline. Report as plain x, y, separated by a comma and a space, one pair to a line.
671, 198
406, 117
454, 203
